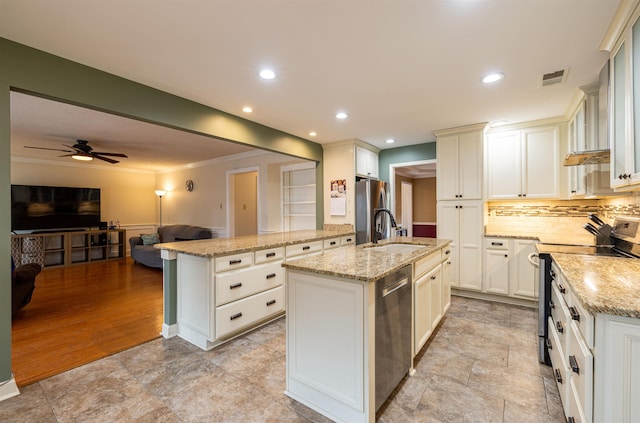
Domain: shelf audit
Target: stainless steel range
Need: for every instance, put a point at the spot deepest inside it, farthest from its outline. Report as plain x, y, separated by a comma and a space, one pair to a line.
620, 240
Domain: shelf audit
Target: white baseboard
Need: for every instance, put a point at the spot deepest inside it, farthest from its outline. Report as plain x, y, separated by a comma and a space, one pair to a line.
169, 331
8, 389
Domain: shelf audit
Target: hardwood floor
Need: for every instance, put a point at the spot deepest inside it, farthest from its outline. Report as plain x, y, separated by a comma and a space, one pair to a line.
79, 314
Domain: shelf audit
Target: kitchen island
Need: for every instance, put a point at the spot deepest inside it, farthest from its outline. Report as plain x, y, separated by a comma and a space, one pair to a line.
334, 331
595, 336
216, 289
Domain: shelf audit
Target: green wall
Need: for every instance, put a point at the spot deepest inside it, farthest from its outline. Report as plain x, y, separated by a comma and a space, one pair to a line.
411, 153
33, 71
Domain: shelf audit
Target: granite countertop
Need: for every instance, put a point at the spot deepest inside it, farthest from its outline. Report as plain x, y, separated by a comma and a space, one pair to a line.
364, 263
511, 236
241, 244
609, 285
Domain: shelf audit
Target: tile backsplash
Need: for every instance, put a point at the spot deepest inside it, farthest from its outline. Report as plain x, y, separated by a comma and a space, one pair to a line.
556, 221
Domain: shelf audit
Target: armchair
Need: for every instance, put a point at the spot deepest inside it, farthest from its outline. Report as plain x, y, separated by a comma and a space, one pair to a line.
23, 283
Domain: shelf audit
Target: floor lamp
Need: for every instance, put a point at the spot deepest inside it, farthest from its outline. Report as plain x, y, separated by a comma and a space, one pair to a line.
160, 193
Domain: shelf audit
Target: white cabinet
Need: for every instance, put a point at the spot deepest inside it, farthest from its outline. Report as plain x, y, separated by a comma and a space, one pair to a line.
432, 295
460, 163
496, 266
507, 270
577, 142
461, 222
366, 162
523, 163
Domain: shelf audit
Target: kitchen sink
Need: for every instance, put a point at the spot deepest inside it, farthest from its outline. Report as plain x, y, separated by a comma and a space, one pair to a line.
396, 248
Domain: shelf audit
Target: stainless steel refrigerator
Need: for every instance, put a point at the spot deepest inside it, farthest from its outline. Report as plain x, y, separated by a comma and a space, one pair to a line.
371, 195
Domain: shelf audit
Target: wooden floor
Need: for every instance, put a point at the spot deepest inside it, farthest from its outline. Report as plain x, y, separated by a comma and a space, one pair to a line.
81, 313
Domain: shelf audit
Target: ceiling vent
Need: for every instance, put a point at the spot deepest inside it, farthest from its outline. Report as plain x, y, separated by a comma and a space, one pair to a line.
552, 78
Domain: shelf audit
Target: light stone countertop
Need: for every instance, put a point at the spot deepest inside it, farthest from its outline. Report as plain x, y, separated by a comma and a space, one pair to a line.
225, 246
363, 263
609, 285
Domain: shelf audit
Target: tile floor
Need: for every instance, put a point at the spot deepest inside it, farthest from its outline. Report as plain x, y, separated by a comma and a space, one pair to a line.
480, 366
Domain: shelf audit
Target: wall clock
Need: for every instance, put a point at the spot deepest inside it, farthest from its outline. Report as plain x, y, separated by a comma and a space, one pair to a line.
189, 185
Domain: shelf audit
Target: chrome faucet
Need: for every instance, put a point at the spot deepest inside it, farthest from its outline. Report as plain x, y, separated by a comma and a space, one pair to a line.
376, 212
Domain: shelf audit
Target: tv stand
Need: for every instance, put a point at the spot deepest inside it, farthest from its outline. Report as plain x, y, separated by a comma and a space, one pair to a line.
68, 247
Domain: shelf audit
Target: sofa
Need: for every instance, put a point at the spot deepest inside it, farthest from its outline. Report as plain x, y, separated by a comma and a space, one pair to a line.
23, 283
144, 252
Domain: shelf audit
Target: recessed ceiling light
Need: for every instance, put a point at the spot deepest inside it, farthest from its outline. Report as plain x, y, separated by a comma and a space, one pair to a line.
267, 74
312, 134
390, 141
247, 109
492, 77
341, 115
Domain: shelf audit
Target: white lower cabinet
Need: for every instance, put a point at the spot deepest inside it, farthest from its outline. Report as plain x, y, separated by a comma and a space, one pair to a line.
222, 297
507, 270
432, 294
496, 267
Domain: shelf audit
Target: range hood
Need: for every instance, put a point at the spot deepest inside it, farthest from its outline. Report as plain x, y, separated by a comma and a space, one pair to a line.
577, 158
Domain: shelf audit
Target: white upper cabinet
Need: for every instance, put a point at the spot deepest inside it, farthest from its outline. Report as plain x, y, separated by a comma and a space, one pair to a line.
577, 142
523, 164
366, 162
625, 111
460, 163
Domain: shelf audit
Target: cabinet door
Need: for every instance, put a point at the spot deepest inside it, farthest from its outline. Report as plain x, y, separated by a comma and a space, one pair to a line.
577, 142
470, 244
446, 285
496, 271
470, 162
541, 164
366, 162
435, 296
422, 313
447, 168
523, 279
504, 166
449, 228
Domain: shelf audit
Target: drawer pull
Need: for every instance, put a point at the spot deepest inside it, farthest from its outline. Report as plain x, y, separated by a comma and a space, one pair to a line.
574, 313
305, 248
552, 274
574, 364
238, 261
499, 244
560, 327
433, 277
448, 252
271, 275
548, 343
558, 375
332, 243
562, 289
349, 239
235, 285
271, 254
571, 420
272, 302
551, 305
236, 316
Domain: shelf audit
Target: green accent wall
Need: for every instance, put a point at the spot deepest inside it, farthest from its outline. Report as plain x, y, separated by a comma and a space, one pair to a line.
33, 71
411, 153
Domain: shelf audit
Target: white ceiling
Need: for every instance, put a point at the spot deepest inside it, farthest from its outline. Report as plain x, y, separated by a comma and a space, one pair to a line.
400, 68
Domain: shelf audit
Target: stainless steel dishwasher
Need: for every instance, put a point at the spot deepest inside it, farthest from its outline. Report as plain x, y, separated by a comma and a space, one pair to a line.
393, 332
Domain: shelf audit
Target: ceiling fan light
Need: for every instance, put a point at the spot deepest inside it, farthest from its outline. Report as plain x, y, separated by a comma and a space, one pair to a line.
82, 157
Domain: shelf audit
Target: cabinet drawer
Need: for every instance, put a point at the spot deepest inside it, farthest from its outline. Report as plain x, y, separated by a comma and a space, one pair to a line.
272, 254
235, 316
425, 264
233, 285
560, 315
580, 362
348, 240
559, 367
304, 248
235, 261
496, 243
574, 409
331, 243
583, 319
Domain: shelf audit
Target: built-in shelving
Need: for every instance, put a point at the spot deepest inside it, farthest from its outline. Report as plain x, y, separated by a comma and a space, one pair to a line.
298, 201
67, 248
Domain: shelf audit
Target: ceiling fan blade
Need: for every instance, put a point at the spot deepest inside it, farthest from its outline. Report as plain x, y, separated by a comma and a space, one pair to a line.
109, 154
68, 155
52, 149
106, 159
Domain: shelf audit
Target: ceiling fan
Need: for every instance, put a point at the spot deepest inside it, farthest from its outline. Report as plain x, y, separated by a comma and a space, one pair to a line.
83, 151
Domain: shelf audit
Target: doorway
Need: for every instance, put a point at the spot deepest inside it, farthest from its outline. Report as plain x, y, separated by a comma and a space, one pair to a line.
406, 191
242, 202
413, 196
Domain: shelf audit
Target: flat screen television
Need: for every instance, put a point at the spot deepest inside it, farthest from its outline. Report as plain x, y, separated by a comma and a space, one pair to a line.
36, 208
